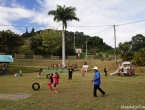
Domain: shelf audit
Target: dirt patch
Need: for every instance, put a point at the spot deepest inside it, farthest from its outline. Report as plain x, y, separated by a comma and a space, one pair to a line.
16, 96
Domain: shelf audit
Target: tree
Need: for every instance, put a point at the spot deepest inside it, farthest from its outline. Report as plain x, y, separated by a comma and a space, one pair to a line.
139, 57
138, 42
46, 42
10, 42
125, 51
94, 43
63, 14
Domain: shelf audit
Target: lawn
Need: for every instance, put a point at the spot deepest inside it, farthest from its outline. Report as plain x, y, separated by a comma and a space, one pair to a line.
120, 91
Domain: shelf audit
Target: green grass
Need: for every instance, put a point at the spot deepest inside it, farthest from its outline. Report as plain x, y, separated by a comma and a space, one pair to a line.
77, 95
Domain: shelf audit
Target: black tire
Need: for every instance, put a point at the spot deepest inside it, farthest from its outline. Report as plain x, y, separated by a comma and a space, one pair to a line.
35, 86
47, 76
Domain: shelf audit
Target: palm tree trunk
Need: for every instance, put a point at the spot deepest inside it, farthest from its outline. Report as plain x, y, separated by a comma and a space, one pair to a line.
63, 47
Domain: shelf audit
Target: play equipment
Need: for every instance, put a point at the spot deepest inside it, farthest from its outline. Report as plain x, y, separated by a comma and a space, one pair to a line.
36, 86
125, 69
86, 68
58, 70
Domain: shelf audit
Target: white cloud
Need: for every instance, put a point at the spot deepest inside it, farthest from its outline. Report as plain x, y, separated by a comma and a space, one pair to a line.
90, 12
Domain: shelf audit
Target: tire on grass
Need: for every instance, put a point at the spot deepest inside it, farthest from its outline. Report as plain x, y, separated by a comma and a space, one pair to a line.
35, 86
47, 76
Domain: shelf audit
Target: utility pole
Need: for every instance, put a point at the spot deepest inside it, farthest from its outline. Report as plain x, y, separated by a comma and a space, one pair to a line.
74, 40
115, 43
86, 50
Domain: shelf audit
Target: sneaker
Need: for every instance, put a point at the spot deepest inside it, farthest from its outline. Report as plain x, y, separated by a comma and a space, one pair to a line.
103, 94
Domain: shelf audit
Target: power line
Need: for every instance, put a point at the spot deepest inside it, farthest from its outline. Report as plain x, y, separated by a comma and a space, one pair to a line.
106, 32
91, 26
21, 26
46, 26
69, 26
130, 23
102, 30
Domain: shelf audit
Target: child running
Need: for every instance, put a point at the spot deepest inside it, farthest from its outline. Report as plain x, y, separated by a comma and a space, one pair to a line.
39, 73
55, 81
50, 79
105, 71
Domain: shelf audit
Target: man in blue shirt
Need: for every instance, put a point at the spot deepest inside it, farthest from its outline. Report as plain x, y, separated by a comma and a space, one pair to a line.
97, 81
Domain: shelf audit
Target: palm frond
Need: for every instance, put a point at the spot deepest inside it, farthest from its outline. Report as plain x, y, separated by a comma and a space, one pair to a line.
64, 14
52, 12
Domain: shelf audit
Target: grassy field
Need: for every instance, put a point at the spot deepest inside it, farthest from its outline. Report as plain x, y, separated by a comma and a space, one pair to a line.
120, 91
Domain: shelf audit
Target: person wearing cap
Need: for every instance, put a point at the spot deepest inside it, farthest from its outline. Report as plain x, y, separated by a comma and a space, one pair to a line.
97, 81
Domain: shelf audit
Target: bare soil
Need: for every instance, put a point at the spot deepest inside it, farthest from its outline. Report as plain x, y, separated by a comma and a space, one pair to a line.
16, 96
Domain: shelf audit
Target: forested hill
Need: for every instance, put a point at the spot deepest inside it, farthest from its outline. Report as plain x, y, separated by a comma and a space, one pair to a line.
78, 39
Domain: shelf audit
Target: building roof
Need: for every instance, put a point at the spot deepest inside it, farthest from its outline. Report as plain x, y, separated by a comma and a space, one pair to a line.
6, 58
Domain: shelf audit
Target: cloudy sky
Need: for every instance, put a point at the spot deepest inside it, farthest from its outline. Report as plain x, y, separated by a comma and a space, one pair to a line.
97, 17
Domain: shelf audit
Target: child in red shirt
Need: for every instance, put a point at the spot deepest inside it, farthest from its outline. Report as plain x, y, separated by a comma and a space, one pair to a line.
55, 81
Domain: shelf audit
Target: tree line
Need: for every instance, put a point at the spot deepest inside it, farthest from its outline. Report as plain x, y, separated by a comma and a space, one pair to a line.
48, 42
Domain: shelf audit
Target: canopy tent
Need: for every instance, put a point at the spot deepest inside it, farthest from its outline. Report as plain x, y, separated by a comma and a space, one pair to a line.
6, 58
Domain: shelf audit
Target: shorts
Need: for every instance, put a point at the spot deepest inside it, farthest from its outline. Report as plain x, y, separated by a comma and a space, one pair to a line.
70, 77
54, 85
39, 75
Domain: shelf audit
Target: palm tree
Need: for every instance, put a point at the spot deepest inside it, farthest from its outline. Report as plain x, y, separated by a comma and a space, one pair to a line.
63, 14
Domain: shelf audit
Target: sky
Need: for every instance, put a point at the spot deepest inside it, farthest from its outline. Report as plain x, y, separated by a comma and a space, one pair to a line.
97, 17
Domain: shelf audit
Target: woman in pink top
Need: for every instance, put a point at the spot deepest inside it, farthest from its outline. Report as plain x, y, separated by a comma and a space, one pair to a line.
55, 81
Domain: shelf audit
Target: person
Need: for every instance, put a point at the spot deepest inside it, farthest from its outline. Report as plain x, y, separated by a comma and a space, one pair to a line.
50, 81
39, 73
105, 71
83, 71
55, 81
70, 73
20, 72
97, 81
4, 69
15, 73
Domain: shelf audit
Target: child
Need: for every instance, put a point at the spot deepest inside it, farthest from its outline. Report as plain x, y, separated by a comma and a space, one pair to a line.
105, 71
50, 81
83, 72
39, 73
55, 81
20, 72
15, 74
4, 69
